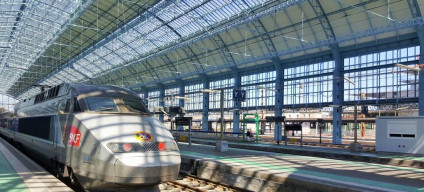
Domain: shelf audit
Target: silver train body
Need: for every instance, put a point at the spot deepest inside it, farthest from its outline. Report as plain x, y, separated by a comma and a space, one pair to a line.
102, 135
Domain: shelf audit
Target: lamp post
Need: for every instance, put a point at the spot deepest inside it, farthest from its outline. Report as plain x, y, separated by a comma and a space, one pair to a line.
355, 146
221, 145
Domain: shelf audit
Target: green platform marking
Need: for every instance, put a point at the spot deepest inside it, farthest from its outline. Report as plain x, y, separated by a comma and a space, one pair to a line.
374, 165
340, 152
305, 172
326, 151
9, 180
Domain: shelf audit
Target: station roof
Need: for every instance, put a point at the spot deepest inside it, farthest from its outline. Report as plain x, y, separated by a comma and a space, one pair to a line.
141, 43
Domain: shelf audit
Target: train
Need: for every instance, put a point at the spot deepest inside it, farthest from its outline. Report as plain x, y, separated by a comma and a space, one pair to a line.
100, 136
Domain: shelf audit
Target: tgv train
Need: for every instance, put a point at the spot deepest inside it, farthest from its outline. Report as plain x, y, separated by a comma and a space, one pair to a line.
102, 136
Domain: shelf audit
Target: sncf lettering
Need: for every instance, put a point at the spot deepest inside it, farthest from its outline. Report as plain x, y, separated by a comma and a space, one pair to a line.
74, 136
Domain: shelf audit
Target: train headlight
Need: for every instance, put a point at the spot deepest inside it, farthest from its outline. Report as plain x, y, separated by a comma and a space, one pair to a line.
143, 147
171, 146
121, 147
113, 147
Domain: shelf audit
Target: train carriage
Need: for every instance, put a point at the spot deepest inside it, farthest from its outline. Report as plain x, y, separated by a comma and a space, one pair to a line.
103, 136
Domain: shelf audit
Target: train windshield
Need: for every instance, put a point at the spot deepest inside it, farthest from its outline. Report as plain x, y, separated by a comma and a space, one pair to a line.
116, 105
134, 106
101, 104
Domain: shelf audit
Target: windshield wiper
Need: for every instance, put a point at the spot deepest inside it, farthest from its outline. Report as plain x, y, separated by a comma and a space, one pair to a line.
106, 109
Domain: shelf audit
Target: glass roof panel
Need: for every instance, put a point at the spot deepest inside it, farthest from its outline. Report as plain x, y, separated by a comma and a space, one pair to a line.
126, 53
170, 13
51, 81
73, 74
188, 28
113, 59
154, 31
61, 77
147, 26
252, 3
28, 27
139, 45
130, 36
101, 52
114, 45
100, 64
80, 65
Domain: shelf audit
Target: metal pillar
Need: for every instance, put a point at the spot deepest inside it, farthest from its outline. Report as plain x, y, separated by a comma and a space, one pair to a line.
205, 108
421, 73
161, 103
221, 104
278, 111
181, 102
237, 104
146, 95
355, 128
338, 86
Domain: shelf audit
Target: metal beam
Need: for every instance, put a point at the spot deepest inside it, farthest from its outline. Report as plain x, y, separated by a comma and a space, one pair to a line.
323, 19
216, 31
85, 4
312, 45
416, 12
110, 37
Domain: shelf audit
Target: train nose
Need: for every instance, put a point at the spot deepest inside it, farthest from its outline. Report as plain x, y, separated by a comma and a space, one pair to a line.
147, 169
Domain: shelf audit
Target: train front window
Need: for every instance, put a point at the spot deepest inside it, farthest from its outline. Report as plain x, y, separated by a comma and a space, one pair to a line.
134, 106
101, 104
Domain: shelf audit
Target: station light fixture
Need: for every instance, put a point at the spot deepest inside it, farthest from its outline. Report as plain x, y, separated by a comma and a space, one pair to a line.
180, 97
408, 67
350, 81
209, 91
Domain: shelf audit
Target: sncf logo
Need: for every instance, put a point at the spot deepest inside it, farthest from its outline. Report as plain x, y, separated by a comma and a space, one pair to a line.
74, 136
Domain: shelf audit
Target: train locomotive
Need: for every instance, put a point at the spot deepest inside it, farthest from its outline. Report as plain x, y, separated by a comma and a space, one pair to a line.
102, 136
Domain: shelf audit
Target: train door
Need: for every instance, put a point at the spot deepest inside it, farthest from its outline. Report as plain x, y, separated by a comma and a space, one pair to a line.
63, 129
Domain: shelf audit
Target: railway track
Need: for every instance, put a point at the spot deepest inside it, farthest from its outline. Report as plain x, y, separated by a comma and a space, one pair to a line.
186, 183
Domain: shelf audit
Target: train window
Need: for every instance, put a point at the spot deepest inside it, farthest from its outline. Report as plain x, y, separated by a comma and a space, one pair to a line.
105, 104
77, 107
35, 126
134, 105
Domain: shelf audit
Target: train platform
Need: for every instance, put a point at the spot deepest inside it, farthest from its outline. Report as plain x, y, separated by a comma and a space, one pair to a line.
18, 173
262, 170
329, 151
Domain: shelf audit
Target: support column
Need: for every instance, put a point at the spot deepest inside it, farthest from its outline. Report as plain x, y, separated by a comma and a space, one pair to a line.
278, 111
205, 105
421, 73
146, 95
338, 87
181, 102
237, 104
161, 103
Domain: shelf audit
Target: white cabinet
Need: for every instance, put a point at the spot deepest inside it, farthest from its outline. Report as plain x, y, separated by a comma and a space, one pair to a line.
400, 134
